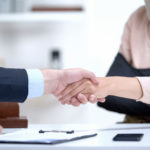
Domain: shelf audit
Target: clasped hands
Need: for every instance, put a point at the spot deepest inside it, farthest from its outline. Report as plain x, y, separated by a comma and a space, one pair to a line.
83, 91
74, 86
81, 86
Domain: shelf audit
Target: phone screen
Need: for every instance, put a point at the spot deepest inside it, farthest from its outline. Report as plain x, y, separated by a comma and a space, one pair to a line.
128, 137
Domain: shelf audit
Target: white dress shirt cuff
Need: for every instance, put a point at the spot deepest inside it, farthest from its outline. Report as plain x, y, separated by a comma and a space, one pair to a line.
35, 83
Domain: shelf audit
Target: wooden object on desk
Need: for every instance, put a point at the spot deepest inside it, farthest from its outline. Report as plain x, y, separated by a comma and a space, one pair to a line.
9, 116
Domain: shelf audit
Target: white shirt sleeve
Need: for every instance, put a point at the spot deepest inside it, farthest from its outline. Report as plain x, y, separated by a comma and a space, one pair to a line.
35, 83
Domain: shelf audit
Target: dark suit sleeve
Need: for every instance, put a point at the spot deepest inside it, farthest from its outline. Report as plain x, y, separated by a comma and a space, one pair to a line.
13, 85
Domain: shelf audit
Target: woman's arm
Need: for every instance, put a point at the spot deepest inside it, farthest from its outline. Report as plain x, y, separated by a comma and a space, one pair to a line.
128, 87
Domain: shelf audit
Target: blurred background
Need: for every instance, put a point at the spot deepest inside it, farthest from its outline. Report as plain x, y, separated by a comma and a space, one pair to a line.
63, 34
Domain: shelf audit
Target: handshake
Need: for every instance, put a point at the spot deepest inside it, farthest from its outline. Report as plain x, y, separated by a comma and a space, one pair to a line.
79, 86
74, 86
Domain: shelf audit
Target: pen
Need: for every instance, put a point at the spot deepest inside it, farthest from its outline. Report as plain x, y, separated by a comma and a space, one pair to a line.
57, 131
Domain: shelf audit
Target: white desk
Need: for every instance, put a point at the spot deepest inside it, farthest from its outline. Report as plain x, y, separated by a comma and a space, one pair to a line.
101, 142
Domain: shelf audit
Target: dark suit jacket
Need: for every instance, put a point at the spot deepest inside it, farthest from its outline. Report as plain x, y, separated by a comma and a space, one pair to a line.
13, 85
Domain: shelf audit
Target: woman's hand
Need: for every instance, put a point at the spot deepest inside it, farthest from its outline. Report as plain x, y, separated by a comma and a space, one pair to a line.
82, 92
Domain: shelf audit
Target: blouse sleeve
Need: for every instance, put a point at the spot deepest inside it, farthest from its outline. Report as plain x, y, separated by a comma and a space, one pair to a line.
125, 47
145, 85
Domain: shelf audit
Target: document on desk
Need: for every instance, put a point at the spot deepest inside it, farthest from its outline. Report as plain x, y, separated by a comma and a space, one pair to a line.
32, 136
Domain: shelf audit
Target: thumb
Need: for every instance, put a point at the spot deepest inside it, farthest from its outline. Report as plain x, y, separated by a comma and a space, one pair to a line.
74, 75
90, 75
102, 100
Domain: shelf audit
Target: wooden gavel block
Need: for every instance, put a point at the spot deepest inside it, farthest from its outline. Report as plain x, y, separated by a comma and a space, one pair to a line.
9, 116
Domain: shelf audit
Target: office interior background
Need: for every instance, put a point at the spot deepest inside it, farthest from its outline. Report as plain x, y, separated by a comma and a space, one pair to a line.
39, 34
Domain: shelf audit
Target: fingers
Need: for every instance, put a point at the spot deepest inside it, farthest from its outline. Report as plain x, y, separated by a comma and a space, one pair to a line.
73, 93
70, 88
85, 87
89, 75
102, 100
82, 98
74, 102
93, 99
73, 75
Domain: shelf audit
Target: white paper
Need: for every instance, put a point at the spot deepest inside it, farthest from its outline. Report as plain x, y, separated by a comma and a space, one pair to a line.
34, 135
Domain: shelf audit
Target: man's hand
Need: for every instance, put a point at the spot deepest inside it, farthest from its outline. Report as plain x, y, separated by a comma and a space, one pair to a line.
55, 81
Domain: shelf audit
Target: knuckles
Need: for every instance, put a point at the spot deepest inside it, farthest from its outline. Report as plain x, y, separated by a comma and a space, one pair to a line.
88, 83
90, 87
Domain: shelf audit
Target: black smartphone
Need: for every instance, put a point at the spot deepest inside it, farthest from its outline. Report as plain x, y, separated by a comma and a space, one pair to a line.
128, 137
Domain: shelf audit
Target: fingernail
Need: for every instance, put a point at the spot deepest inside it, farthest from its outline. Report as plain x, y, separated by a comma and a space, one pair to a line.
80, 96
102, 100
73, 101
63, 103
92, 98
60, 96
96, 81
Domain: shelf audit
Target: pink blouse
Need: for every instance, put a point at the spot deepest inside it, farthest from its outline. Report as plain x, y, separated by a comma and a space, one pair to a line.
135, 47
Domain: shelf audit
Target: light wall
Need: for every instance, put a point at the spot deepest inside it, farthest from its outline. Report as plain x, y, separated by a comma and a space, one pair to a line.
91, 44
106, 22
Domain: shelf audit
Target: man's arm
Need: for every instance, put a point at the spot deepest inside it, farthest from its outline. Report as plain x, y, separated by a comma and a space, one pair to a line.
55, 81
13, 85
18, 84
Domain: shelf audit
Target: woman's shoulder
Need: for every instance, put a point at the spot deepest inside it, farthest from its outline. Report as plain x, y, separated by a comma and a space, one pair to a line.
138, 15
139, 12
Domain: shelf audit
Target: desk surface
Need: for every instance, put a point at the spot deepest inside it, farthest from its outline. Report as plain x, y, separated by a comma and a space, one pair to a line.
101, 142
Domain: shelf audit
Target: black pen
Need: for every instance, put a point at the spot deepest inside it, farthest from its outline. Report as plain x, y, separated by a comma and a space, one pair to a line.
57, 131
